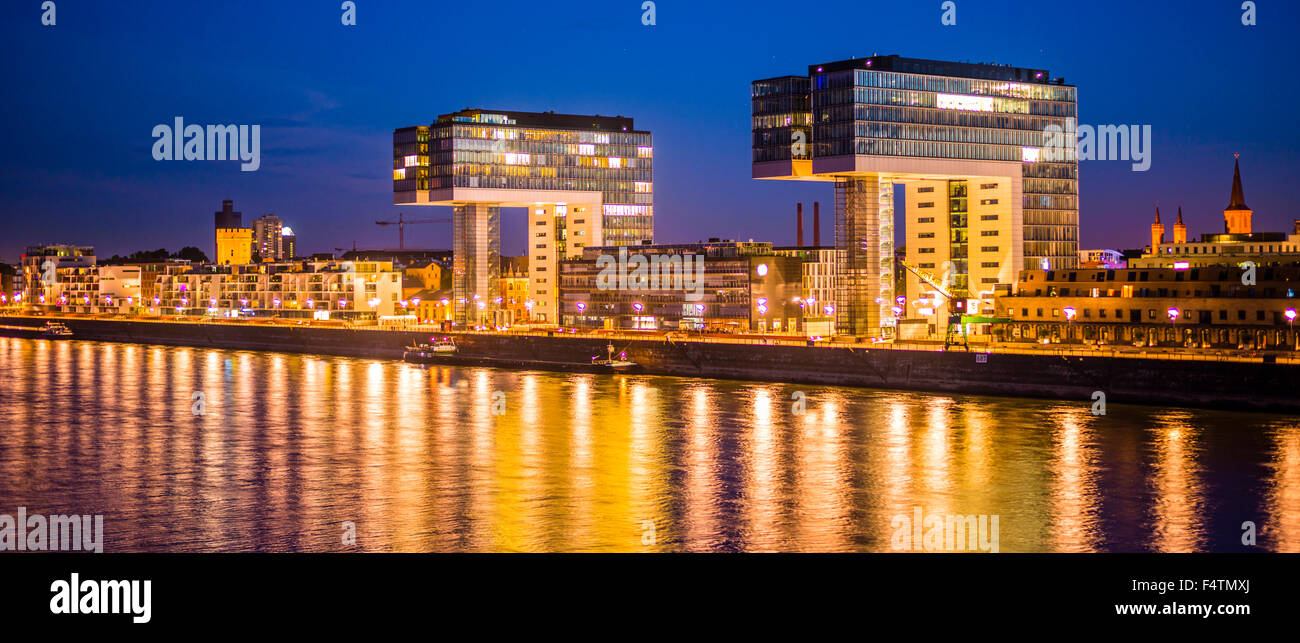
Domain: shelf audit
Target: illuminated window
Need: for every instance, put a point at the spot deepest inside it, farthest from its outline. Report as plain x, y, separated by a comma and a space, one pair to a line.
399, 174
411, 160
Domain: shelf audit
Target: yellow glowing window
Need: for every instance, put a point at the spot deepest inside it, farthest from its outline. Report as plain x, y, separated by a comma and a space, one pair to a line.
645, 152
399, 174
642, 186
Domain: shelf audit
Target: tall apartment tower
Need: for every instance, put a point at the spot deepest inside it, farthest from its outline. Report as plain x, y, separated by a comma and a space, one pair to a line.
268, 238
584, 180
965, 141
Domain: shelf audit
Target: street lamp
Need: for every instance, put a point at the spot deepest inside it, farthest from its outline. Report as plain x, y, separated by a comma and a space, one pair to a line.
1290, 319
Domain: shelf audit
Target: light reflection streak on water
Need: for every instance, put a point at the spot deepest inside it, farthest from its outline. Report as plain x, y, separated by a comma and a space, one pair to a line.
1176, 520
292, 446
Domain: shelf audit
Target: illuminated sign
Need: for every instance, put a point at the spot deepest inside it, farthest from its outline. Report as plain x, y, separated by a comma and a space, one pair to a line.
967, 103
1182, 265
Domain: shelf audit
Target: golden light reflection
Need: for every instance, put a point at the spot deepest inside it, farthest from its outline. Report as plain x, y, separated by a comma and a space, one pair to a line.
1074, 500
701, 490
761, 458
1281, 531
1177, 519
292, 446
823, 485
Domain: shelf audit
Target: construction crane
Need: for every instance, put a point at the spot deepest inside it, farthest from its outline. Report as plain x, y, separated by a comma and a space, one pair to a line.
958, 319
954, 318
401, 224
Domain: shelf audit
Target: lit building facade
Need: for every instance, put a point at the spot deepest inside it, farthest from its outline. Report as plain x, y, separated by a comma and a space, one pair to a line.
43, 265
817, 292
1102, 258
585, 181
968, 139
322, 290
743, 286
1194, 308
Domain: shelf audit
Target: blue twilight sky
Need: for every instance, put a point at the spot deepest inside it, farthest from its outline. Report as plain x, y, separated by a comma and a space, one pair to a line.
82, 97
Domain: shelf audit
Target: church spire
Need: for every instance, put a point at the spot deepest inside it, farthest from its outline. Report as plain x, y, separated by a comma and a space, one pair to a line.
1180, 230
1157, 231
1238, 200
1236, 217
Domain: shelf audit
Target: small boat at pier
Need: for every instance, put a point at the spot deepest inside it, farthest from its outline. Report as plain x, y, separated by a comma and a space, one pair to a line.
429, 353
610, 363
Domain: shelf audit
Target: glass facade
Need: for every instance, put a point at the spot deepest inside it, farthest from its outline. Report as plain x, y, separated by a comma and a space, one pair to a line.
532, 151
782, 119
889, 107
888, 113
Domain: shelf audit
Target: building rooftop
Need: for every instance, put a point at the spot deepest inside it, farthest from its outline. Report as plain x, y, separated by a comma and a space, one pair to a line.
548, 120
896, 63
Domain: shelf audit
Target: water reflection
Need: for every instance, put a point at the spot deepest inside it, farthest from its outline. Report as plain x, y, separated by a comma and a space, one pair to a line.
286, 450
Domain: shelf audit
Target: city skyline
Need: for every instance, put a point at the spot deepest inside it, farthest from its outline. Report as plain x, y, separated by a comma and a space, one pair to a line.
327, 123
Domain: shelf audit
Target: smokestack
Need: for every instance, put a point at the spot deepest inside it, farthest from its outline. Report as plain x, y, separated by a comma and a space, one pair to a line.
798, 221
817, 223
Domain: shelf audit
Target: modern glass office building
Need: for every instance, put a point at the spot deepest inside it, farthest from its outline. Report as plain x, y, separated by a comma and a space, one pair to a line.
586, 181
965, 137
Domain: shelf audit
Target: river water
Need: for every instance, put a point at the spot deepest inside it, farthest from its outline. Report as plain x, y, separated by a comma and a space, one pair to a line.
189, 449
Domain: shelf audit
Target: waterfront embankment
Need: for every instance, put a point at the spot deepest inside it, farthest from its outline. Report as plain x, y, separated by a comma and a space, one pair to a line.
1229, 383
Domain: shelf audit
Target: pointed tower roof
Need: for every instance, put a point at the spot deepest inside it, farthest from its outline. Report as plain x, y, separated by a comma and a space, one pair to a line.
1238, 201
1157, 213
1180, 214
